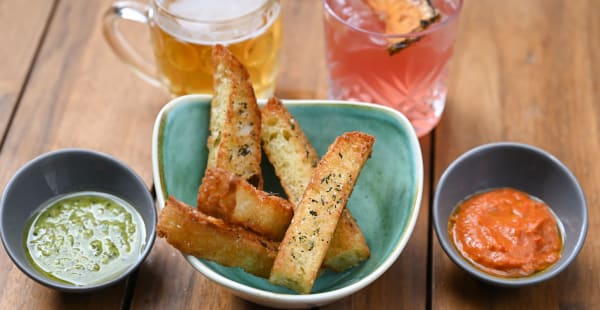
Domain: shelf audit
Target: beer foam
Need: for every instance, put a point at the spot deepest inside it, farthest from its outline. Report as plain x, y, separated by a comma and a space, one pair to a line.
211, 10
200, 21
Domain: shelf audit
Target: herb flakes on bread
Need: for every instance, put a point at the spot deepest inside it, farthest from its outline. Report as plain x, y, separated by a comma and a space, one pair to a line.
303, 249
234, 140
294, 159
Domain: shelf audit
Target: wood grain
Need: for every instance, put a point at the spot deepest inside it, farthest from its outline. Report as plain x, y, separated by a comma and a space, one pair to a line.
78, 95
526, 71
302, 66
168, 281
23, 24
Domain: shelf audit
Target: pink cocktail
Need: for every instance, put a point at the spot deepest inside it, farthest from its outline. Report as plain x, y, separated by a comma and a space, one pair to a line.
411, 80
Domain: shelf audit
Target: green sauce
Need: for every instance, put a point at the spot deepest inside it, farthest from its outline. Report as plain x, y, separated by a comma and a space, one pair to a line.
85, 238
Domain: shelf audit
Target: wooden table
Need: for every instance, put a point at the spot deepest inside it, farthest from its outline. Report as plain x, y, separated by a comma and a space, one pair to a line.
524, 71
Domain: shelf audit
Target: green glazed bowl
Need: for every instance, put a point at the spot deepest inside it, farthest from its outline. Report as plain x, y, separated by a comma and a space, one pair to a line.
385, 201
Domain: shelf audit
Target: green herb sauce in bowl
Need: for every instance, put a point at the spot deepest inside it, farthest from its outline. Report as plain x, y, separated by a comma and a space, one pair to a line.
84, 238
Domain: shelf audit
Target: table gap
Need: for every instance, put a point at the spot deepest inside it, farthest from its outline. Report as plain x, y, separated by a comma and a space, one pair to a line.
431, 178
34, 60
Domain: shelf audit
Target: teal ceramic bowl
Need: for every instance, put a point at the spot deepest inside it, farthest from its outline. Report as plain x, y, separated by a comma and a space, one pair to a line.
385, 201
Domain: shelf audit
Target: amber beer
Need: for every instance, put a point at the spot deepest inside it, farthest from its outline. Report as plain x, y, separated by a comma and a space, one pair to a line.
183, 33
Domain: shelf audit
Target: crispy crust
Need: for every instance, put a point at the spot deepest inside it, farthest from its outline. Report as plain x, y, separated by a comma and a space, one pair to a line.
287, 148
231, 198
294, 159
348, 246
198, 234
307, 240
234, 140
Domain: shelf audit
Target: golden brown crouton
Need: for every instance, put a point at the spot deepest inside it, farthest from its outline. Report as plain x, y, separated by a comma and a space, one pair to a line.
234, 140
307, 240
229, 197
294, 159
198, 234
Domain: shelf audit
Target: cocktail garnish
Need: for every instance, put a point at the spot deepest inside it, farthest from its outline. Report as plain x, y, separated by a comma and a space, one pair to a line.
404, 17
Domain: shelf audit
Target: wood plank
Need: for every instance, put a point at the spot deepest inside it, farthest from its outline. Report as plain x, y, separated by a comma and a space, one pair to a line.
526, 71
23, 24
168, 281
303, 72
79, 95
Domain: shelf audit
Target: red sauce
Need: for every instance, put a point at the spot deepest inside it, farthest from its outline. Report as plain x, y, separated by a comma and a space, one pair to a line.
506, 233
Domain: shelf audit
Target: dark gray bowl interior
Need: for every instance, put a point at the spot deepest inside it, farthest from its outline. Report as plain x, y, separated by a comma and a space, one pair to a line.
521, 167
62, 172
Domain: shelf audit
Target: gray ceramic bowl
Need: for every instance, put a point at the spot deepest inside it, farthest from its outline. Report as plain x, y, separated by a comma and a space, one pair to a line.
62, 172
522, 167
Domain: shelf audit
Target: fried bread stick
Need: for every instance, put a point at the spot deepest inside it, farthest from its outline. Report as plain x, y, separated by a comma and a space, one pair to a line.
198, 234
231, 198
234, 140
303, 249
294, 159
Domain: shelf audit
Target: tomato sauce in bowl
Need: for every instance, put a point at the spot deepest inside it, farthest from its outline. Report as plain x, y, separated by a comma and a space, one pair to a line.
506, 232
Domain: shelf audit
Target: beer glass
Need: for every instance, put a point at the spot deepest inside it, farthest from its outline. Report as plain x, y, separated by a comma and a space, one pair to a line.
182, 35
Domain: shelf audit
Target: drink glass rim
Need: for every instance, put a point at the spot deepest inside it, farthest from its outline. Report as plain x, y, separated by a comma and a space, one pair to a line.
432, 28
161, 7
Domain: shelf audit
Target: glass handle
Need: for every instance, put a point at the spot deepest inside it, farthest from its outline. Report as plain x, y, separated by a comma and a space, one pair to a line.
136, 12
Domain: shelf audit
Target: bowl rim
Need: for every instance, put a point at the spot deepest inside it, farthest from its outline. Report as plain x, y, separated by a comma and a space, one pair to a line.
441, 229
54, 284
312, 298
